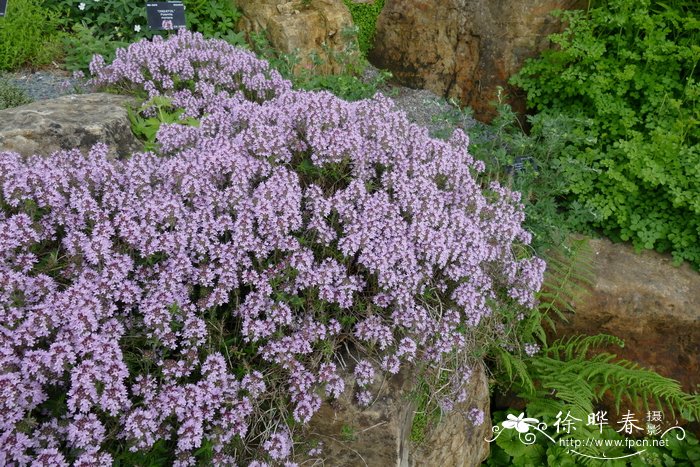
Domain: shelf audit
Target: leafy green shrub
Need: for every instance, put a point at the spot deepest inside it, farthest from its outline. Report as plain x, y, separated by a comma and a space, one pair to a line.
215, 18
85, 42
364, 15
28, 35
103, 27
11, 96
628, 68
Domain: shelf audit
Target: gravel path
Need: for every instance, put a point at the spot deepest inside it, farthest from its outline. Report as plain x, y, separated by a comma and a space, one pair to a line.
424, 107
44, 84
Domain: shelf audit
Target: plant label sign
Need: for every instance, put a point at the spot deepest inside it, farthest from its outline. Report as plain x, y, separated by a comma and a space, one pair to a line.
163, 16
3, 7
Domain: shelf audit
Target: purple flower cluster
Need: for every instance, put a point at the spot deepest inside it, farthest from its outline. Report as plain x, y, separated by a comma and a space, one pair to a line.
476, 416
282, 211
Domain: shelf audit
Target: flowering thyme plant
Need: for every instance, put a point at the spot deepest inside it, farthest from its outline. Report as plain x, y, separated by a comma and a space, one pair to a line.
190, 297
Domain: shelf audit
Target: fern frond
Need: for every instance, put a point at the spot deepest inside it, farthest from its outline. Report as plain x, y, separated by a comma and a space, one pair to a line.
577, 347
567, 371
561, 379
569, 271
516, 370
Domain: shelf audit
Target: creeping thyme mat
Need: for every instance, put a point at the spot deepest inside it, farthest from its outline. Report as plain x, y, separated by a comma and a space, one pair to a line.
189, 305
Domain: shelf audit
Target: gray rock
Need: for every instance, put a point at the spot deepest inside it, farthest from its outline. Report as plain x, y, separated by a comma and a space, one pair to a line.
74, 121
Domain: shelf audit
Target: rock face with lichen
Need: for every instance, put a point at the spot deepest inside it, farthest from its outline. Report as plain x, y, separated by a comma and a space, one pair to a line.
68, 122
380, 435
464, 49
318, 28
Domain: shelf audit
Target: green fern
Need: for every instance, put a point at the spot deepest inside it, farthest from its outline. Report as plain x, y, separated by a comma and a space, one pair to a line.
575, 372
569, 272
515, 369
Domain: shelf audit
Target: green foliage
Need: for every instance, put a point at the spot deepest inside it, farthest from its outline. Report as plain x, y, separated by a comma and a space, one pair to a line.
572, 376
215, 18
103, 27
627, 70
348, 433
11, 96
427, 412
159, 455
28, 34
364, 15
146, 121
509, 449
579, 378
123, 21
84, 42
346, 84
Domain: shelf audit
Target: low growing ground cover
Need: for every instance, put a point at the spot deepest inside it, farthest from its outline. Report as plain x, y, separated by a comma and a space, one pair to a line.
188, 304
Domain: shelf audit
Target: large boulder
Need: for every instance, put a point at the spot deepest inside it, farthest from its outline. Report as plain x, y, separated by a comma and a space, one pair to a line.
74, 121
464, 49
648, 302
315, 29
379, 435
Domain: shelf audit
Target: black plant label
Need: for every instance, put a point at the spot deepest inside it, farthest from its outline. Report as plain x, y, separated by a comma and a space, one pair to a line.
3, 7
164, 15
